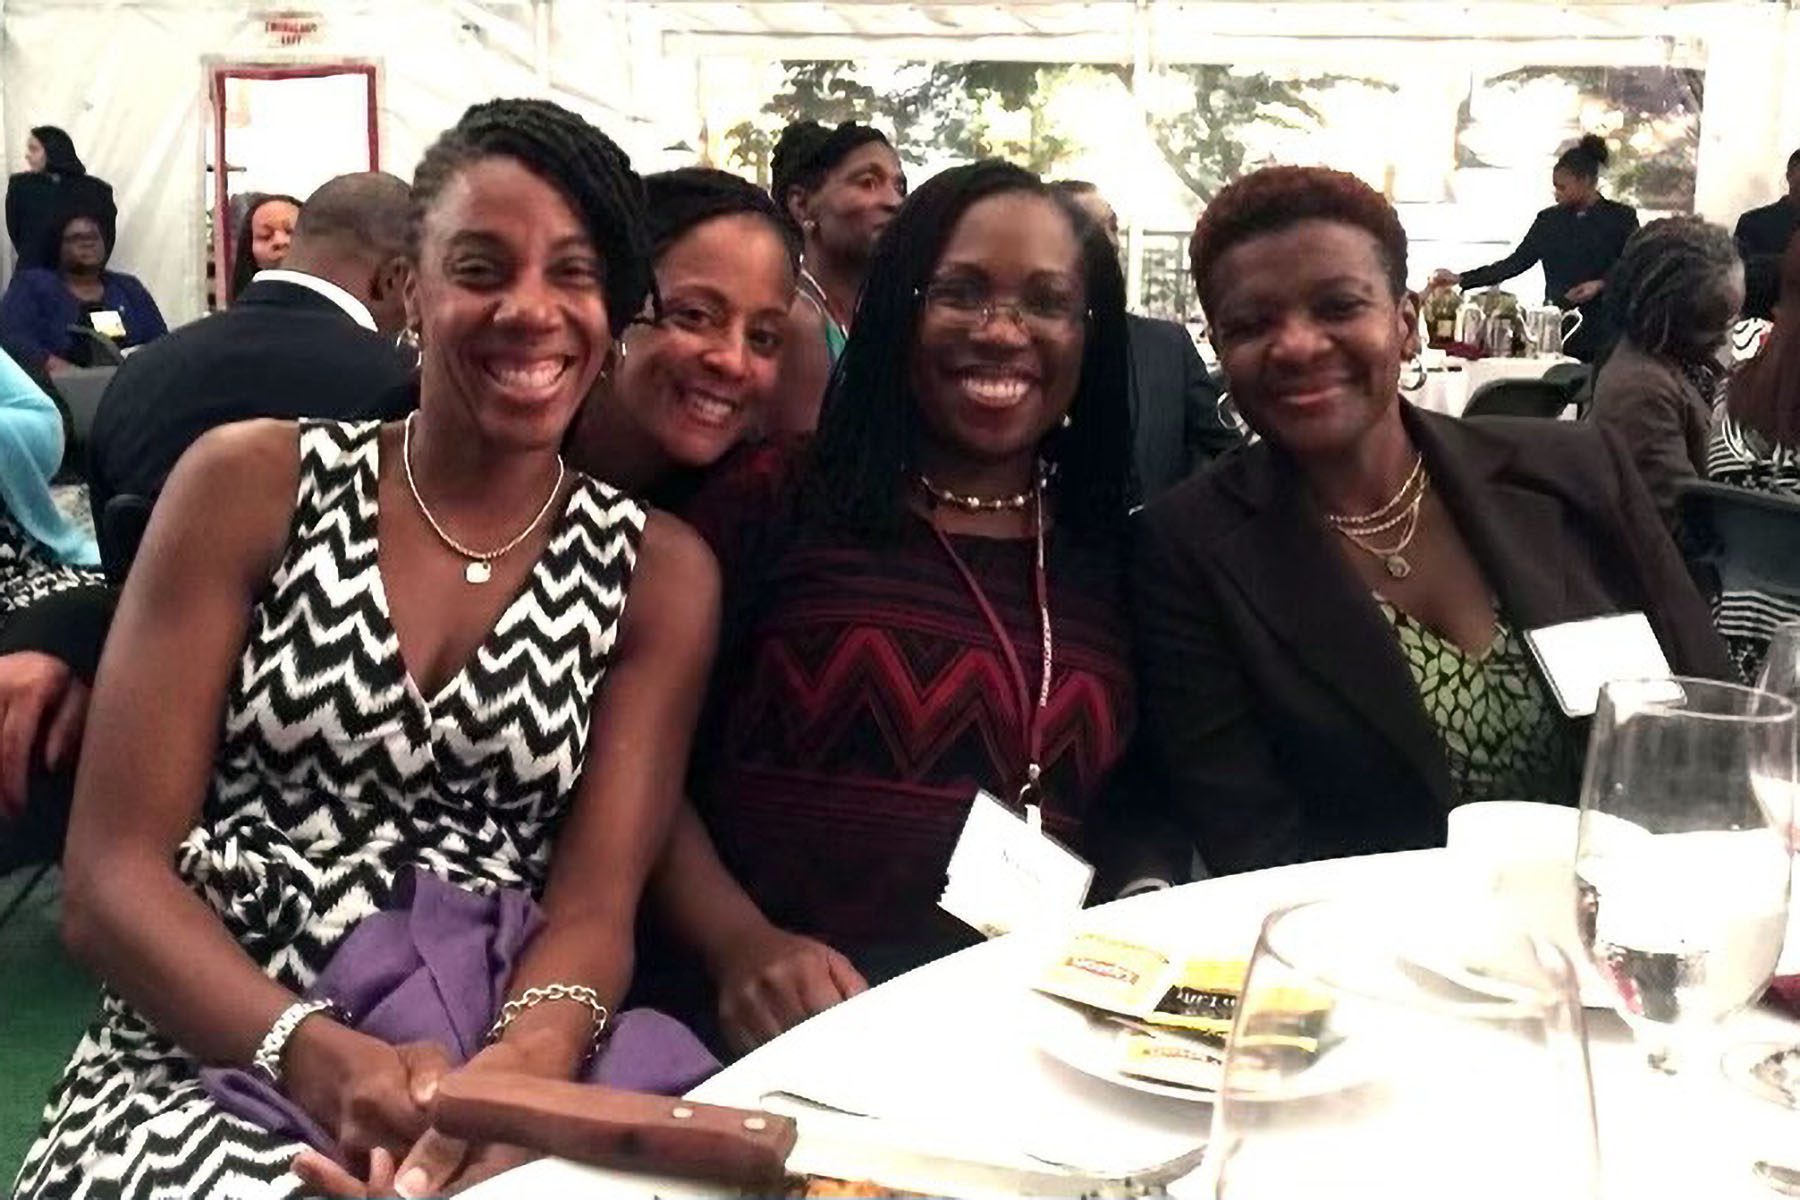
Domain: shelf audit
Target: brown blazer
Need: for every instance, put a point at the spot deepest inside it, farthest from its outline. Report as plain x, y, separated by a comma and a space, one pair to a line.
1280, 717
1661, 417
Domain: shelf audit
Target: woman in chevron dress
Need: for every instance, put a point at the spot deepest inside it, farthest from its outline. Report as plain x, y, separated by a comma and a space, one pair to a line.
352, 652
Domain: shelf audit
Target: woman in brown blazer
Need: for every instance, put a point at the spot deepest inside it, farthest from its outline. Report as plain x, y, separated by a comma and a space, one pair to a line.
1331, 621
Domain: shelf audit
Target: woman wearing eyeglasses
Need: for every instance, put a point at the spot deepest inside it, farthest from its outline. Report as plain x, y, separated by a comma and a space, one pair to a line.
894, 594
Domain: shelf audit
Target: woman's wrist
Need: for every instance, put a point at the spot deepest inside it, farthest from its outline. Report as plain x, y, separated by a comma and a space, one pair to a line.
317, 1059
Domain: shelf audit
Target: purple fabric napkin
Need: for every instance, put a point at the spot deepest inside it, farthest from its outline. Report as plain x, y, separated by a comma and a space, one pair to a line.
435, 968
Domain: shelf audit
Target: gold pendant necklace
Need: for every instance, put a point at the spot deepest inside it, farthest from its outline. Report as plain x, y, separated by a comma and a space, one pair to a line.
480, 567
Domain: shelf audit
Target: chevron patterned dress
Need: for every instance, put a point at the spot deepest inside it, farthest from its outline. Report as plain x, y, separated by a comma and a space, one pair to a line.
335, 775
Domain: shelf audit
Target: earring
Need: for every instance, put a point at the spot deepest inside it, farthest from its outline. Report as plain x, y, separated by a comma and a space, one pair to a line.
1412, 375
810, 225
408, 341
1229, 416
1067, 420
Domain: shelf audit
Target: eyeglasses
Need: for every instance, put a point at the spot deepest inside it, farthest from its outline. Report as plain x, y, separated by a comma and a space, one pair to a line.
81, 239
968, 306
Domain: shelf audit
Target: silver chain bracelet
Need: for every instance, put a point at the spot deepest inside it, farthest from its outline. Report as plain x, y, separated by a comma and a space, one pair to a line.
532, 997
267, 1061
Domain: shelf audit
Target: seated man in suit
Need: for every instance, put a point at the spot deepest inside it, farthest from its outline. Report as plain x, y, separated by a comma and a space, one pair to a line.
1176, 428
1762, 234
313, 339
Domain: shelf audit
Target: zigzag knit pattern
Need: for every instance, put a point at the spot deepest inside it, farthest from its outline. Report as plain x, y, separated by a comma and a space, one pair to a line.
334, 776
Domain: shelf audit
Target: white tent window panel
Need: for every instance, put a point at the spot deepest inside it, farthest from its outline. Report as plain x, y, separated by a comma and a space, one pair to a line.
135, 100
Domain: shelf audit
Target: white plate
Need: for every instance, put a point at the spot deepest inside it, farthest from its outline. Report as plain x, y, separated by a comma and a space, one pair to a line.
1088, 1043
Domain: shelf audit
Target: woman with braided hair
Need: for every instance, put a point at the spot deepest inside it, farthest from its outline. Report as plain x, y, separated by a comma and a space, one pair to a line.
360, 664
840, 187
694, 379
1675, 294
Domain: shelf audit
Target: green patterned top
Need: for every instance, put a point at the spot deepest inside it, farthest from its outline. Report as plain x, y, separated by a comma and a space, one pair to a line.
1502, 734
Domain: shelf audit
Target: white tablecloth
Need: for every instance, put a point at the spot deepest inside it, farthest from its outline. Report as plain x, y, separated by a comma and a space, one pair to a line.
937, 1051
1447, 390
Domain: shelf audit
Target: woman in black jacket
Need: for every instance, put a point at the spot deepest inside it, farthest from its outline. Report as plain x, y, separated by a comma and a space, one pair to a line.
1332, 622
1578, 239
57, 183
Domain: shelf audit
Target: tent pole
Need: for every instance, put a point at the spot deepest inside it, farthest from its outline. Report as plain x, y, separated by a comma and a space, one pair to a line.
1134, 235
540, 42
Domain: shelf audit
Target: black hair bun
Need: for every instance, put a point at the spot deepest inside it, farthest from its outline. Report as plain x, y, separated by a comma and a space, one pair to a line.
1593, 148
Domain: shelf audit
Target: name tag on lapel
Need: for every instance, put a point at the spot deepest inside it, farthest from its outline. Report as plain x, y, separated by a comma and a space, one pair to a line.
1578, 658
108, 322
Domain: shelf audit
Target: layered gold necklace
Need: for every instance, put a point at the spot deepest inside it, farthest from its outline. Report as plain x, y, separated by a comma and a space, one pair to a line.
1401, 512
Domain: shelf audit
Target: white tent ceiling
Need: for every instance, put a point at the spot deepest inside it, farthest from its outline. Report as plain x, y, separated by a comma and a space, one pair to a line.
127, 77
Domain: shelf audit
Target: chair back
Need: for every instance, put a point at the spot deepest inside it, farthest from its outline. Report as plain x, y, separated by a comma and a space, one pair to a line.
1517, 398
1576, 379
120, 529
95, 348
1740, 540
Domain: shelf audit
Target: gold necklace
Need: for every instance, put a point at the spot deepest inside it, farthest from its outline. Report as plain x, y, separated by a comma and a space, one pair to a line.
1393, 558
480, 567
1390, 513
1011, 503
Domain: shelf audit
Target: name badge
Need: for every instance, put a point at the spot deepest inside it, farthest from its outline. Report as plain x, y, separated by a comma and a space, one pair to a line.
108, 323
1006, 873
1578, 658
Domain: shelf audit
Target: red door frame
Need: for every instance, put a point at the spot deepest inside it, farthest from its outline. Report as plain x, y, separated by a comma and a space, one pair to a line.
222, 234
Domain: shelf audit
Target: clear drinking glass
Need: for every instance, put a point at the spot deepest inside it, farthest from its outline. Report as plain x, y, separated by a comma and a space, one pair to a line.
1681, 863
1406, 1051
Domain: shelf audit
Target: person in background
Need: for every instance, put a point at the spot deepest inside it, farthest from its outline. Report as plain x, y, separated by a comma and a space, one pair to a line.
43, 308
1577, 239
1676, 292
41, 555
884, 643
54, 183
312, 704
1762, 236
692, 381
1330, 622
1756, 444
262, 237
840, 187
313, 339
1176, 428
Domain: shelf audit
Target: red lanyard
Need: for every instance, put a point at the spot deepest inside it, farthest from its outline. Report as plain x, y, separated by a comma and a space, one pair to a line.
1031, 716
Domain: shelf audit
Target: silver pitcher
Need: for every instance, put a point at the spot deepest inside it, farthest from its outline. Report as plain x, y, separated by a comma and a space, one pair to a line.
1548, 328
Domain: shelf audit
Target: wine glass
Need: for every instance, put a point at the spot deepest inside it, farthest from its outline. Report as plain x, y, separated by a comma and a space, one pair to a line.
1407, 1051
1681, 862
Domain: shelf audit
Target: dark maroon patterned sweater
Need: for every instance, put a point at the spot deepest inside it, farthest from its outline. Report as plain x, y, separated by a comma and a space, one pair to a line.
861, 699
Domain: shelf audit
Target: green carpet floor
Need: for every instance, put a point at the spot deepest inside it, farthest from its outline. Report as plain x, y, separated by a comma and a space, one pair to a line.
45, 1003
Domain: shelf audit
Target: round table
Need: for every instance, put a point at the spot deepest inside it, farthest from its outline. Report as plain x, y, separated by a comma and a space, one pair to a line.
1449, 386
939, 1060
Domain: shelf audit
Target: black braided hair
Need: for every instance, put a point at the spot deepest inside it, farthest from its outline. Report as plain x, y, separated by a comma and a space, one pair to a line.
806, 152
1585, 158
869, 430
569, 154
1670, 281
682, 199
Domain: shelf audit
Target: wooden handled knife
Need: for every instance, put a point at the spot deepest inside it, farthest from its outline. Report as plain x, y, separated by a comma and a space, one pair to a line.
627, 1131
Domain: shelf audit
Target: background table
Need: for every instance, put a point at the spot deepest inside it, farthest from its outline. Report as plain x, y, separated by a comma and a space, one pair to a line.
940, 1049
1448, 390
